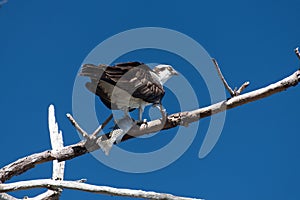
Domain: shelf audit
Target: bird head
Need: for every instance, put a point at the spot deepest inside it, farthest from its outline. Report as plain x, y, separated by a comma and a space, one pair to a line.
165, 72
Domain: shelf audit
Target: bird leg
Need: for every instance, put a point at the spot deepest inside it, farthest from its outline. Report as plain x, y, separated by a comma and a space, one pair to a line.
162, 111
141, 121
126, 116
141, 110
126, 113
125, 124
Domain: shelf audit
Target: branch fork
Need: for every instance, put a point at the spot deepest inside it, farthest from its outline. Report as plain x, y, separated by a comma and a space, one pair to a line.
232, 92
84, 134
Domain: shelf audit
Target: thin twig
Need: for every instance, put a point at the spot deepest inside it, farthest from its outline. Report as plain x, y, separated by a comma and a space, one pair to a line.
48, 183
101, 127
297, 52
76, 125
241, 89
232, 93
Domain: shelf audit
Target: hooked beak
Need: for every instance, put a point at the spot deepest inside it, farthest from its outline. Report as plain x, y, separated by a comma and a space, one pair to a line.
174, 72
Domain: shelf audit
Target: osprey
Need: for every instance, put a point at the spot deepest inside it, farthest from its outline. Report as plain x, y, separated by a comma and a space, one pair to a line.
127, 86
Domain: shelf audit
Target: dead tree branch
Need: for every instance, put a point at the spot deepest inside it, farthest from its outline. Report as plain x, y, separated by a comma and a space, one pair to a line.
57, 144
4, 196
59, 153
56, 184
74, 185
56, 140
101, 127
232, 92
68, 152
297, 52
76, 125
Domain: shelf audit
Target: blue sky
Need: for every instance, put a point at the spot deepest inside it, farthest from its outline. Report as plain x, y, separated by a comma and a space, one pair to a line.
43, 44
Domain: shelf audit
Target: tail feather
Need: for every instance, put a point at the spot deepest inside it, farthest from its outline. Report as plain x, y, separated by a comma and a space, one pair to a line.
92, 71
92, 86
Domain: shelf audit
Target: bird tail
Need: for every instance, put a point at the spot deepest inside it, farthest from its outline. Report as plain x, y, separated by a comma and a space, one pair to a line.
92, 71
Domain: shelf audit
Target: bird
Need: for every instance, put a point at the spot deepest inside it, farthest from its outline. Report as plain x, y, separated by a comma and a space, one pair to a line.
129, 85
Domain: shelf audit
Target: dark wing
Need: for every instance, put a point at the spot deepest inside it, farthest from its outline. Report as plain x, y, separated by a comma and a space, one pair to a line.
147, 86
110, 74
94, 73
141, 83
113, 74
134, 77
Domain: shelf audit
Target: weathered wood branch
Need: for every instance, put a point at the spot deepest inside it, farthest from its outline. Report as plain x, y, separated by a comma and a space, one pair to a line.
56, 140
4, 196
182, 118
101, 127
76, 125
48, 183
57, 144
232, 92
297, 52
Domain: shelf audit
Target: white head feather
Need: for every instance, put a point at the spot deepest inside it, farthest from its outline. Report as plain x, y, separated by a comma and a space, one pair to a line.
164, 72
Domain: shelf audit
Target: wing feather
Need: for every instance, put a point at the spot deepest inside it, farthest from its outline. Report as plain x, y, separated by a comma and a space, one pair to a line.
134, 77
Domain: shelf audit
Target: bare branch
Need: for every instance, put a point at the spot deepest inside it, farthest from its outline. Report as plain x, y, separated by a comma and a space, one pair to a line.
297, 52
4, 196
240, 90
48, 183
181, 118
231, 91
58, 167
57, 144
60, 153
76, 125
234, 92
50, 194
101, 127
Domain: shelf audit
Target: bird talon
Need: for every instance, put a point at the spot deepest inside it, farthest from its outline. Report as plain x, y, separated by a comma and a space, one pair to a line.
141, 122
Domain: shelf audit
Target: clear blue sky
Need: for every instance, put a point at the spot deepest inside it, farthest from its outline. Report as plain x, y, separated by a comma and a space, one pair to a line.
43, 44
